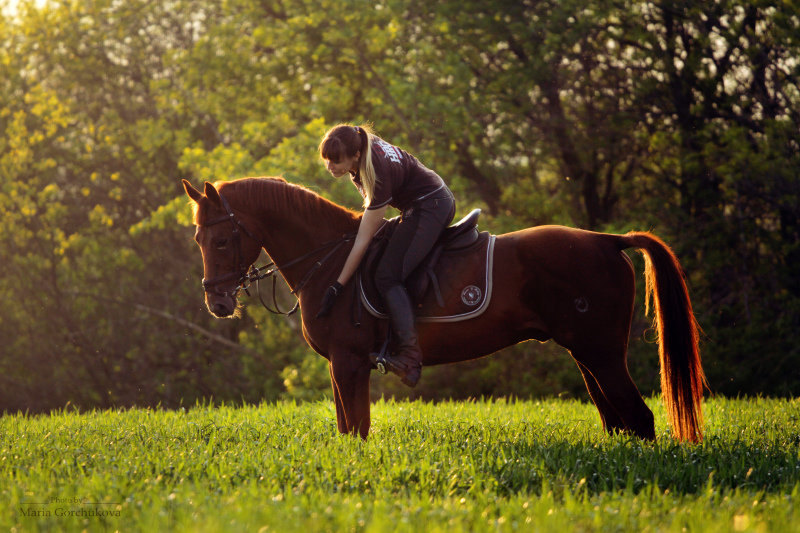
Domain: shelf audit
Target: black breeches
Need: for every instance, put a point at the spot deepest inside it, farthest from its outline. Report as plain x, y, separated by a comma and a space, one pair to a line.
419, 229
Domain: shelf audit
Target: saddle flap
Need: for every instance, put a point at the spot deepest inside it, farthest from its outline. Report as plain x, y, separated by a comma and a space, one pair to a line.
448, 286
424, 276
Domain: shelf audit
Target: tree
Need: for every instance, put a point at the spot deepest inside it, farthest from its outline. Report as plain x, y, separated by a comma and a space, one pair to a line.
609, 115
723, 87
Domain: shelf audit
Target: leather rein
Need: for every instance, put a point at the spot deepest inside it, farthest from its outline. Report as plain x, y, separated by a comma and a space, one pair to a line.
247, 275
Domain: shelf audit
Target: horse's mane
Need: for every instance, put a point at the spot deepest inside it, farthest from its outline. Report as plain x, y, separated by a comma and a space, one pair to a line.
254, 193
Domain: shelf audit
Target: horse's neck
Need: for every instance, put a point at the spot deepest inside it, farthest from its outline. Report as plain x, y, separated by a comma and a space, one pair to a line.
289, 235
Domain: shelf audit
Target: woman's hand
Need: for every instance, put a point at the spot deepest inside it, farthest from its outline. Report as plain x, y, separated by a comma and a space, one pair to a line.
329, 298
371, 221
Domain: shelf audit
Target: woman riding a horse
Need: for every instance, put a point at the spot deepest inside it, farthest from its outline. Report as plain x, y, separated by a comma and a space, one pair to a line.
570, 285
386, 175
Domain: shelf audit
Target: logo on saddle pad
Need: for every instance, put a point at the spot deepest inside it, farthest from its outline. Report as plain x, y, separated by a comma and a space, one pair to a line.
471, 295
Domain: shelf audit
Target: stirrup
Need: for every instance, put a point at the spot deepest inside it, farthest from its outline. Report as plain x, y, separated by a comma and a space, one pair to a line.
386, 364
379, 359
380, 362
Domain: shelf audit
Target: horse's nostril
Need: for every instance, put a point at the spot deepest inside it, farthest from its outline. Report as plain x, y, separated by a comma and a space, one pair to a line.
220, 310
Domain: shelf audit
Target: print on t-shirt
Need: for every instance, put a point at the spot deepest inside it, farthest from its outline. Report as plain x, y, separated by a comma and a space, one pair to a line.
392, 153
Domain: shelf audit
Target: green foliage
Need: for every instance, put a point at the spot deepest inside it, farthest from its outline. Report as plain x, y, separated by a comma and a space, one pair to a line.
307, 381
451, 466
605, 115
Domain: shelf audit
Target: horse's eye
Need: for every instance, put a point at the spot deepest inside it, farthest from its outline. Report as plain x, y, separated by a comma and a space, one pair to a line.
220, 244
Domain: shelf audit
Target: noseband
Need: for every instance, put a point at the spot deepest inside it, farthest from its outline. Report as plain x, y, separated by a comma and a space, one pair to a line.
245, 275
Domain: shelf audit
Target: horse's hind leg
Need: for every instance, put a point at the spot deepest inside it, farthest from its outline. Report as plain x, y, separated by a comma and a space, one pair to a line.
608, 415
623, 408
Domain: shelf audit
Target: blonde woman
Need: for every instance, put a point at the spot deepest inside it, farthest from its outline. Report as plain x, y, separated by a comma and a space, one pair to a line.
386, 175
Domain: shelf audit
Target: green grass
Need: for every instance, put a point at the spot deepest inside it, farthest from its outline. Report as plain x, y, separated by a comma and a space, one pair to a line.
479, 466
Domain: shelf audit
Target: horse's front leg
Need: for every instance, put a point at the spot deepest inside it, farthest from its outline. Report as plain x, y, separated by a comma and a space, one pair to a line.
350, 381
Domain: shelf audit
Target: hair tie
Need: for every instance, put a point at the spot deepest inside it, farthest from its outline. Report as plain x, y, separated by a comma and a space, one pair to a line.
358, 130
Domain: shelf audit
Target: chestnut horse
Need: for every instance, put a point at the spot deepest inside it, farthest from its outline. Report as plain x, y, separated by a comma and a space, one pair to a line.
550, 282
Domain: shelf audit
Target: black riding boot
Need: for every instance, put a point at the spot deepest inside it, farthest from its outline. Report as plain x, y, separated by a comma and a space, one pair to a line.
406, 361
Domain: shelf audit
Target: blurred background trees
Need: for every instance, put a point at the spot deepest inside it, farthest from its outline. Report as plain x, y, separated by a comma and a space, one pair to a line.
679, 117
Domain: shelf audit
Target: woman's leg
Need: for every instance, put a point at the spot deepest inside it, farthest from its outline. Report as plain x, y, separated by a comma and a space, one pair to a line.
419, 229
415, 236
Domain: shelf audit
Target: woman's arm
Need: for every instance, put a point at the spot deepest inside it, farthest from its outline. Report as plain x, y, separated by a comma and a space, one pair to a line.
370, 222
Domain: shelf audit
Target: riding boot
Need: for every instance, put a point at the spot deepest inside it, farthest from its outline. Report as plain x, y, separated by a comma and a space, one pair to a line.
406, 361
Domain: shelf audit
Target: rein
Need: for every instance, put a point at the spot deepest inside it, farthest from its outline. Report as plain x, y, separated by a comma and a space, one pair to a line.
245, 277
255, 274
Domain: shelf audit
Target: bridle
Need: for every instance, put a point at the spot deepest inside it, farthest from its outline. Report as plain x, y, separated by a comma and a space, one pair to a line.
245, 274
210, 285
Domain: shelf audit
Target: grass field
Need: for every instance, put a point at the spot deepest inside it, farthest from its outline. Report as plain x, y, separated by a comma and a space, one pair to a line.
478, 466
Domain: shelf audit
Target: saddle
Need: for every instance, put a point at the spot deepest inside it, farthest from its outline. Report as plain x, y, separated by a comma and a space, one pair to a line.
452, 283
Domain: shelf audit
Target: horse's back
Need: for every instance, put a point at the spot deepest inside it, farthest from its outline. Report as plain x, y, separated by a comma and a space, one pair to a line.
571, 279
566, 250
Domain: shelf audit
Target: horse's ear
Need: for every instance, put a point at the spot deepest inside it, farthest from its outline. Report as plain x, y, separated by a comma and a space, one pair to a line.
212, 194
193, 193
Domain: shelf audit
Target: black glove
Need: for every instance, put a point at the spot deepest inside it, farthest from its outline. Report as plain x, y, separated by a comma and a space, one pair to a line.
330, 297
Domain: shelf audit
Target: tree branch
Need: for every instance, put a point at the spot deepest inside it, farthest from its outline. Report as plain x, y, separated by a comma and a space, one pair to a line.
210, 335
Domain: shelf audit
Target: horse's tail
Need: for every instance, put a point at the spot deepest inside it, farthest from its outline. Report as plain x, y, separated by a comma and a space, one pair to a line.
682, 377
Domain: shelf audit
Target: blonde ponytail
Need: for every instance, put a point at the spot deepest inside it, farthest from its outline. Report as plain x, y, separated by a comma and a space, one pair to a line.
366, 168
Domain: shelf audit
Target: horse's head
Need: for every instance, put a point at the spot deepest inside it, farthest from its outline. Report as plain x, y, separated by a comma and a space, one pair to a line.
228, 248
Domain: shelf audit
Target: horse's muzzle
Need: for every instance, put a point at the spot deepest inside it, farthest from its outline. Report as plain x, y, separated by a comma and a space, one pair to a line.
221, 305
221, 311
